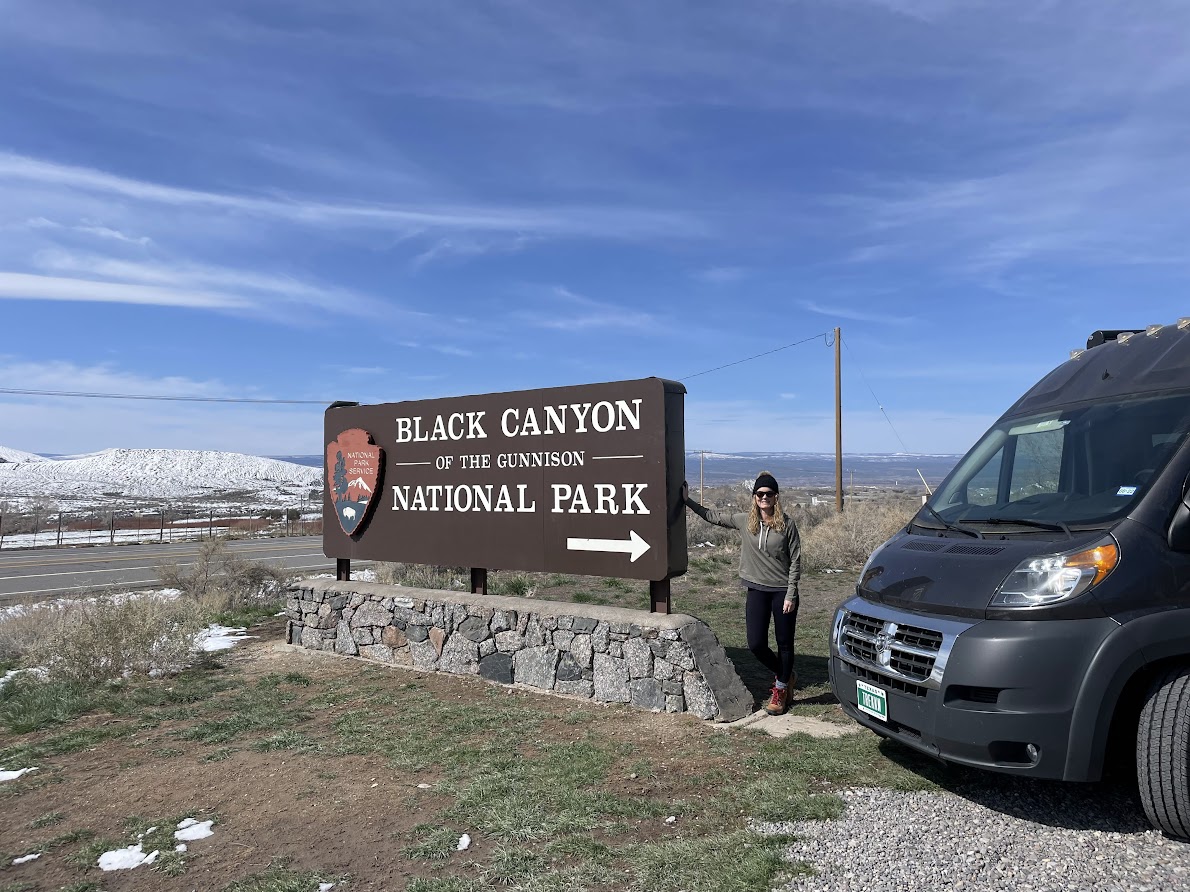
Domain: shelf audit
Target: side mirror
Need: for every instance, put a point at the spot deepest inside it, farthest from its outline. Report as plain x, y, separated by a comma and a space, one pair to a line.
1178, 536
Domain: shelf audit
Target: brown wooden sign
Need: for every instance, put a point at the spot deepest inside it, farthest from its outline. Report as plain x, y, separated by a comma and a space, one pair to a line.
582, 480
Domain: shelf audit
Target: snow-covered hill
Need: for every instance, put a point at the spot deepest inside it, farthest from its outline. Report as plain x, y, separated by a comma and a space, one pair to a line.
8, 454
175, 475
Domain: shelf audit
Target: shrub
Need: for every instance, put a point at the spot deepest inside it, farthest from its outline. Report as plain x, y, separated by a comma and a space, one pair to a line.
422, 576
518, 585
220, 581
845, 540
109, 638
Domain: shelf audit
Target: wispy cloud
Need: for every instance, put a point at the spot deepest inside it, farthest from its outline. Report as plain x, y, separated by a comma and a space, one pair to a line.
856, 315
22, 286
603, 222
568, 311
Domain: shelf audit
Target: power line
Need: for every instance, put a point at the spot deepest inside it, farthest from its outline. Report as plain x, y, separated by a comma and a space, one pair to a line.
904, 448
146, 396
823, 335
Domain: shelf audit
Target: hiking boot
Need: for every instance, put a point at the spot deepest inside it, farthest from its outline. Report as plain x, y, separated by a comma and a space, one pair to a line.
779, 703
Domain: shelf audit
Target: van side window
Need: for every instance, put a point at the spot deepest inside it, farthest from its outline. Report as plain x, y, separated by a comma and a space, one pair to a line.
1037, 465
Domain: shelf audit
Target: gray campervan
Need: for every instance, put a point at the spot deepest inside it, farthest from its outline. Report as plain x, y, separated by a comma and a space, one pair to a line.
1034, 616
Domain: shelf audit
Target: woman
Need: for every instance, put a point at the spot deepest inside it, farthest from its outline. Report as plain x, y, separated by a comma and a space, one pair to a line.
770, 568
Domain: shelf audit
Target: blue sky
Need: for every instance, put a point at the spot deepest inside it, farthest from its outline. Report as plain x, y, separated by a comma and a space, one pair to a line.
381, 201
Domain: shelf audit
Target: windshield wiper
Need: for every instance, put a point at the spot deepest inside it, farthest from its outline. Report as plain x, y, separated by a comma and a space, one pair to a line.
953, 526
1029, 522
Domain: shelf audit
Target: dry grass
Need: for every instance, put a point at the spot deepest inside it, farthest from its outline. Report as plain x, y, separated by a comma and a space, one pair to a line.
423, 576
845, 540
221, 582
108, 638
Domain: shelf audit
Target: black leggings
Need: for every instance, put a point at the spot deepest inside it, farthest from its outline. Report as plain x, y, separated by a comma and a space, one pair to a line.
760, 607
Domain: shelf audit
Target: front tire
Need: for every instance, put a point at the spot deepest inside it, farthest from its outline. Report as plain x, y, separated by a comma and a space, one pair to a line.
1163, 753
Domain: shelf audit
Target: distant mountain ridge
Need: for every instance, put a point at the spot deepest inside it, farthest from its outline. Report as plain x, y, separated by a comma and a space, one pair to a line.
793, 468
162, 475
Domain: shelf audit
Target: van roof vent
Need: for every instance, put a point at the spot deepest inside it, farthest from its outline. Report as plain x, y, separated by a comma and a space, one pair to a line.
1113, 334
1184, 323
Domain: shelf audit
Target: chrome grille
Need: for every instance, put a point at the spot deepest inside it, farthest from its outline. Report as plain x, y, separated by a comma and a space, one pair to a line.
908, 651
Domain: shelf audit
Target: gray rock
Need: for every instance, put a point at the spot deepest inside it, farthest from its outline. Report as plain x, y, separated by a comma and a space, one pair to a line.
416, 633
344, 644
679, 654
549, 623
503, 620
699, 699
646, 693
663, 670
673, 686
581, 650
660, 648
474, 628
675, 703
534, 634
377, 652
584, 624
338, 602
356, 599
423, 653
615, 649
293, 634
363, 635
600, 637
611, 679
575, 688
460, 655
372, 614
668, 634
732, 700
568, 669
562, 639
312, 638
620, 629
510, 641
407, 603
535, 666
639, 657
486, 647
497, 667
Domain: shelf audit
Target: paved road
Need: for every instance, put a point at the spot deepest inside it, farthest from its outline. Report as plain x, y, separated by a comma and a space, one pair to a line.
34, 574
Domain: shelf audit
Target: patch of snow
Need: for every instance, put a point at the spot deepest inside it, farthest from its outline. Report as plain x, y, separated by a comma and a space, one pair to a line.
190, 830
180, 847
13, 673
126, 859
9, 454
216, 637
13, 775
464, 843
325, 887
25, 858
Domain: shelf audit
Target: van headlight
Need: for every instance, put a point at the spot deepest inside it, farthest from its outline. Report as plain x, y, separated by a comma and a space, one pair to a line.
1057, 577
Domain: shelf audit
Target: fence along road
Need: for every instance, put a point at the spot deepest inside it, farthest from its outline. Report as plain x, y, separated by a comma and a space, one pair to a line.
37, 574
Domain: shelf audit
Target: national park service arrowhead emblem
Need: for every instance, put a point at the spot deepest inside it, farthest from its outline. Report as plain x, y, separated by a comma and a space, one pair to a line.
353, 464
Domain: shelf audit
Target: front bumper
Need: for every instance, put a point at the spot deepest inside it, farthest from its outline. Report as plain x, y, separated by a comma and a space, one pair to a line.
992, 694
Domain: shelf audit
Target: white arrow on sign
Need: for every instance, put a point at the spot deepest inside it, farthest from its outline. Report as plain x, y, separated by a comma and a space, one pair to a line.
634, 545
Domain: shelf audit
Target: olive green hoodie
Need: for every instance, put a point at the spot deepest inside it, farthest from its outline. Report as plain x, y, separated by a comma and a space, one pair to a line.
772, 559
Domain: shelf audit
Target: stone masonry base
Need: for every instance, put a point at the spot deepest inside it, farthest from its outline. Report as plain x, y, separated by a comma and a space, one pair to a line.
665, 662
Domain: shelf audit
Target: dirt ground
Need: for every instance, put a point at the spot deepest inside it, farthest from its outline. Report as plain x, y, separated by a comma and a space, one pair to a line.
344, 816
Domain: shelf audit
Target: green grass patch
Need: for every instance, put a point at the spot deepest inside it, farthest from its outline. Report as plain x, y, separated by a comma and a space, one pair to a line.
724, 862
49, 819
432, 842
279, 877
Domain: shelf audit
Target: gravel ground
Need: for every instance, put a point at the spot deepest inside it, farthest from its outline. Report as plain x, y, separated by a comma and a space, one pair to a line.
1010, 834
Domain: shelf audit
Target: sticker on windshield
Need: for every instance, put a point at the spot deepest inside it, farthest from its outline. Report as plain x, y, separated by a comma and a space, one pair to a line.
1126, 491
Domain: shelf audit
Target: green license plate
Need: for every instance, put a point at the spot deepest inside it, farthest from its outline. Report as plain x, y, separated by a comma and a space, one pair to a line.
872, 700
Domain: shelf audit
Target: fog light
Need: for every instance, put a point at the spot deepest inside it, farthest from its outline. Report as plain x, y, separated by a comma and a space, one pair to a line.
1032, 752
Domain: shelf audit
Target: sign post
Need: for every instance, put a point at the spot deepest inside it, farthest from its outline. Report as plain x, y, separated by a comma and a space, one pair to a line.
584, 480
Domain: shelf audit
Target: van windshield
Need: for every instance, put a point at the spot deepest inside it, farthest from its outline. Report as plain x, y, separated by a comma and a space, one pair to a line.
1081, 466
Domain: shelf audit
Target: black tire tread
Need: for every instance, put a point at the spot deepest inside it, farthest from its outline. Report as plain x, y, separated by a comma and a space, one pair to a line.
1163, 753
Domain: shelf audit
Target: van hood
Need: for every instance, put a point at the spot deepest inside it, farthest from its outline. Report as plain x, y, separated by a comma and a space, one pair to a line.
951, 575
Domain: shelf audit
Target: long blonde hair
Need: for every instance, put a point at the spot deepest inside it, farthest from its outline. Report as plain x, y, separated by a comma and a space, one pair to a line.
778, 521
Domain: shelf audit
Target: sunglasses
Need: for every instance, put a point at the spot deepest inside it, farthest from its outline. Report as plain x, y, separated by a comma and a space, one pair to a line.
765, 494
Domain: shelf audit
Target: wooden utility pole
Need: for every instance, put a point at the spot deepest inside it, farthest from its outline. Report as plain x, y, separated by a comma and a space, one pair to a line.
838, 425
